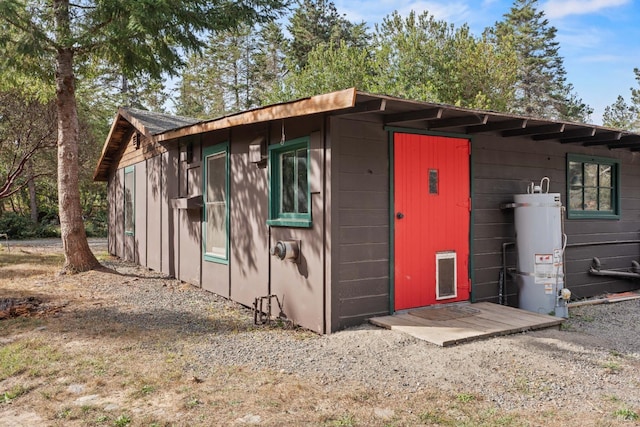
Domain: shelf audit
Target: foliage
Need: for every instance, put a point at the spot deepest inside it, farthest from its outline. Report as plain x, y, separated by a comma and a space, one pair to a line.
618, 115
541, 89
316, 23
18, 226
417, 57
329, 67
626, 414
422, 58
225, 78
136, 38
621, 115
27, 130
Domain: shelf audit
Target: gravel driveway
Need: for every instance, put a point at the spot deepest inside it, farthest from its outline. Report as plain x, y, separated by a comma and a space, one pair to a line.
595, 356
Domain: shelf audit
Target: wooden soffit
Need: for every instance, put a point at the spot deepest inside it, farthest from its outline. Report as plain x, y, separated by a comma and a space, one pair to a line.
316, 104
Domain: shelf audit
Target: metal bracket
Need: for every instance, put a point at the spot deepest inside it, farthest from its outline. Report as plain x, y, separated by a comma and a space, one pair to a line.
262, 316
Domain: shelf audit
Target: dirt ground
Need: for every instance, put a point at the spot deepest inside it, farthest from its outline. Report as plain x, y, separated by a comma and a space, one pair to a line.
129, 347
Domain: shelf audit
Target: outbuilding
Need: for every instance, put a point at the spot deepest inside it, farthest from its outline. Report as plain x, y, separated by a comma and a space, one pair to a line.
349, 205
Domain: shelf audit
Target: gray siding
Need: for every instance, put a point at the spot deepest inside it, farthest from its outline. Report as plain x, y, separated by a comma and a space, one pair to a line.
154, 213
249, 247
215, 276
301, 287
141, 214
113, 187
504, 167
360, 222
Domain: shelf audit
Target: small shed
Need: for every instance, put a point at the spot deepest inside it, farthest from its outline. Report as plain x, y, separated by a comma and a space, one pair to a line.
343, 205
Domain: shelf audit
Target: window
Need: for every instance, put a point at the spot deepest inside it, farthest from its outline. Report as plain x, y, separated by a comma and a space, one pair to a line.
593, 187
289, 200
129, 199
216, 206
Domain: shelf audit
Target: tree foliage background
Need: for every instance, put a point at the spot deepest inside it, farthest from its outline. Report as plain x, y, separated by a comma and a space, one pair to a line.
514, 66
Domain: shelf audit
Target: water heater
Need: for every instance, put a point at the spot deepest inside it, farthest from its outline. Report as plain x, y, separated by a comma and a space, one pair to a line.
540, 245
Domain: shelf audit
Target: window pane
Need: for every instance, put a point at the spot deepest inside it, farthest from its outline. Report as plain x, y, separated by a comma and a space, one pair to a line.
575, 199
287, 185
605, 175
590, 175
303, 186
433, 181
590, 199
129, 180
217, 229
216, 205
575, 174
605, 199
216, 178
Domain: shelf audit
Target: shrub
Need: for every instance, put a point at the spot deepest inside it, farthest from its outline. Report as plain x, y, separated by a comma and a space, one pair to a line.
16, 226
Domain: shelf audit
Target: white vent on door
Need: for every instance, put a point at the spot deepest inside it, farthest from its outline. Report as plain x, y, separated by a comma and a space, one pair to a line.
446, 275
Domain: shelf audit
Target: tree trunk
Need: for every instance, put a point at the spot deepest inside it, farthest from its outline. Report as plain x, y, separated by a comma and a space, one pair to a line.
78, 255
33, 202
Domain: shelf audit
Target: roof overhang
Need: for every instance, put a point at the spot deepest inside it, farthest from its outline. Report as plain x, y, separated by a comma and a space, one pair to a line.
303, 107
391, 112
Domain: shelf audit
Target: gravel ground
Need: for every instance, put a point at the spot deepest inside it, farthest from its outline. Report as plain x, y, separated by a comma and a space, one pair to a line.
595, 356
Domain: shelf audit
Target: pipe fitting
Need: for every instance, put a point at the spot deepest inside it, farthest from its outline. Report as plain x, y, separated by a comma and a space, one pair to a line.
287, 250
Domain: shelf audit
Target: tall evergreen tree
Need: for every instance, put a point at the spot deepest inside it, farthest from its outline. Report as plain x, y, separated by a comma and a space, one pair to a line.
237, 68
269, 62
317, 22
329, 68
618, 115
423, 58
621, 115
541, 88
135, 37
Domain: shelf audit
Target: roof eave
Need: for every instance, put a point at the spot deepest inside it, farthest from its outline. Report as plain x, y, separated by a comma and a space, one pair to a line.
302, 107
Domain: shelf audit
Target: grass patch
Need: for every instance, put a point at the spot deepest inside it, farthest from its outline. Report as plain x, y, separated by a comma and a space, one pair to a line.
14, 393
436, 417
122, 421
347, 420
32, 260
32, 357
612, 367
626, 415
465, 397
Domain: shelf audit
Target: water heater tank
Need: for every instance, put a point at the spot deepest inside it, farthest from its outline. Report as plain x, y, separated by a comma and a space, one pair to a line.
539, 241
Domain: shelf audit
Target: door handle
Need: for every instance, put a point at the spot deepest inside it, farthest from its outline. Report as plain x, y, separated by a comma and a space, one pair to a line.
399, 215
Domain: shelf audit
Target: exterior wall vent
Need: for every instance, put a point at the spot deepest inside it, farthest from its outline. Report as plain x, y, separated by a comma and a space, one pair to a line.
135, 140
446, 275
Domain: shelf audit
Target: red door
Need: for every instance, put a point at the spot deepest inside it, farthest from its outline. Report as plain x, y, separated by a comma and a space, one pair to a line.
432, 205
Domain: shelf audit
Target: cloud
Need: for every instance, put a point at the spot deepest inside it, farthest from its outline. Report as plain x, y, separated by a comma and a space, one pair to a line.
457, 11
562, 8
450, 11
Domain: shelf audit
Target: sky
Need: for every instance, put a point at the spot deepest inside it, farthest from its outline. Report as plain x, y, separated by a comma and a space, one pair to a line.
599, 39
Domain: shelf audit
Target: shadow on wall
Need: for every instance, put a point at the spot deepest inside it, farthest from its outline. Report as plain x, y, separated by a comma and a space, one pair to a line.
248, 212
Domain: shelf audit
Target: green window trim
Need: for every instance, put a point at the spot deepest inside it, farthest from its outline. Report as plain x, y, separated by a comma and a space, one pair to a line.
129, 221
593, 187
289, 206
213, 153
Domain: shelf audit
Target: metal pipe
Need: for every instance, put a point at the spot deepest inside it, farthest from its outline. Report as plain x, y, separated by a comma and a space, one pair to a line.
502, 296
609, 242
613, 273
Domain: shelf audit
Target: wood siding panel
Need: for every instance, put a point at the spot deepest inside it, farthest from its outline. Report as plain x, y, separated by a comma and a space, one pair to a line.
118, 212
301, 287
154, 213
112, 188
170, 244
141, 214
361, 224
248, 220
504, 167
